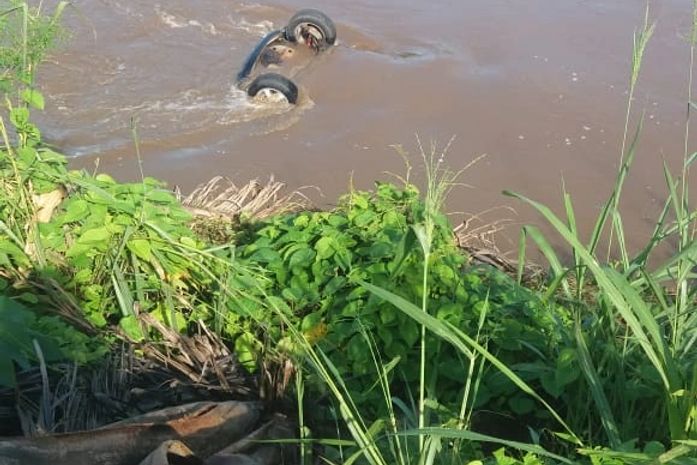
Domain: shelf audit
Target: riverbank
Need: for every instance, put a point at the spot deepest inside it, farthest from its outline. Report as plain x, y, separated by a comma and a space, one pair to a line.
371, 325
89, 262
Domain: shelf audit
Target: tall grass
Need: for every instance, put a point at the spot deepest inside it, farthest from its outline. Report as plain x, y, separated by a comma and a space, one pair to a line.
652, 311
439, 182
641, 40
641, 323
26, 34
386, 441
22, 30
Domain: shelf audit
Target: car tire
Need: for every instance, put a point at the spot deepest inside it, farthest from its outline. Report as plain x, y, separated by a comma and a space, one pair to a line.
312, 27
273, 86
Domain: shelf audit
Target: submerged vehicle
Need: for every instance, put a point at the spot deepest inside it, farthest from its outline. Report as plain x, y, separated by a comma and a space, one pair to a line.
308, 33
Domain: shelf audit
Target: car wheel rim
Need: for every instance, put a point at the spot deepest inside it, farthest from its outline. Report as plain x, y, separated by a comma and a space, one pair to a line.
270, 95
308, 34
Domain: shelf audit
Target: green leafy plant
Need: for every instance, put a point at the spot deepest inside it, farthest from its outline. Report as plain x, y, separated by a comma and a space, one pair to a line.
25, 336
314, 262
26, 34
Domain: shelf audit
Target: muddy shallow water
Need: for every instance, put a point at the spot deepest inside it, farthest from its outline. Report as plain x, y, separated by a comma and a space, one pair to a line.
539, 86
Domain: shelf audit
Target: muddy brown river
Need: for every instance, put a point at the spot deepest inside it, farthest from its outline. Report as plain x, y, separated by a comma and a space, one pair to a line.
539, 86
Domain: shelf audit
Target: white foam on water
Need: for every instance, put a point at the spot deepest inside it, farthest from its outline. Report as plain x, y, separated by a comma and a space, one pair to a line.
237, 22
170, 20
246, 109
125, 9
178, 22
274, 118
190, 107
271, 117
258, 29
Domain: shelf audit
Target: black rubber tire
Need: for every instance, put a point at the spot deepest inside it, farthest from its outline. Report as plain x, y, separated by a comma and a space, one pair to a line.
276, 82
316, 18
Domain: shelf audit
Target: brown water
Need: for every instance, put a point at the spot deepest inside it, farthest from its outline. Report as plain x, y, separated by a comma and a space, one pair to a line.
537, 85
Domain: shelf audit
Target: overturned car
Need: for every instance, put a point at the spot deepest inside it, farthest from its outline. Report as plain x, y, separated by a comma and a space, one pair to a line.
308, 33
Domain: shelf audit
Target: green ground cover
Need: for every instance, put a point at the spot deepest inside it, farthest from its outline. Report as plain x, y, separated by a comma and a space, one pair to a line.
415, 353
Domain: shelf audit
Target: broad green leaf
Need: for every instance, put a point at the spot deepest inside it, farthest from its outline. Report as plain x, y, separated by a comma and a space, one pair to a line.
34, 98
521, 405
381, 249
566, 369
266, 255
95, 236
27, 154
246, 350
409, 331
161, 196
311, 320
76, 210
130, 325
360, 201
19, 116
105, 178
325, 247
140, 247
301, 257
549, 383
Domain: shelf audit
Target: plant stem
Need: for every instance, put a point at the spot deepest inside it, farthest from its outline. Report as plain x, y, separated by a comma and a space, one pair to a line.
25, 35
640, 42
681, 303
300, 394
422, 374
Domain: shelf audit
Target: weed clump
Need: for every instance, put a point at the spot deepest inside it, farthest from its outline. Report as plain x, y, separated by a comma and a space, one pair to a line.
215, 230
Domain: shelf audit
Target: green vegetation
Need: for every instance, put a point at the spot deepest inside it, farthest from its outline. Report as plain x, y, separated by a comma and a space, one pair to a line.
314, 263
413, 353
26, 34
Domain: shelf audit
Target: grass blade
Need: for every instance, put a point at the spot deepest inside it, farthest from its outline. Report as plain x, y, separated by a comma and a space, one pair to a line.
462, 342
596, 387
472, 436
548, 251
636, 314
608, 280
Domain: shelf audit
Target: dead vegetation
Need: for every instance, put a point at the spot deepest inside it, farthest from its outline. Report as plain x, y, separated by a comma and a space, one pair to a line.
222, 198
137, 378
219, 205
477, 236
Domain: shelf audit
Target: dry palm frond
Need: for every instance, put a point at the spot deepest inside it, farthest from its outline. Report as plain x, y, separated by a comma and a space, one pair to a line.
477, 236
203, 360
221, 197
60, 398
